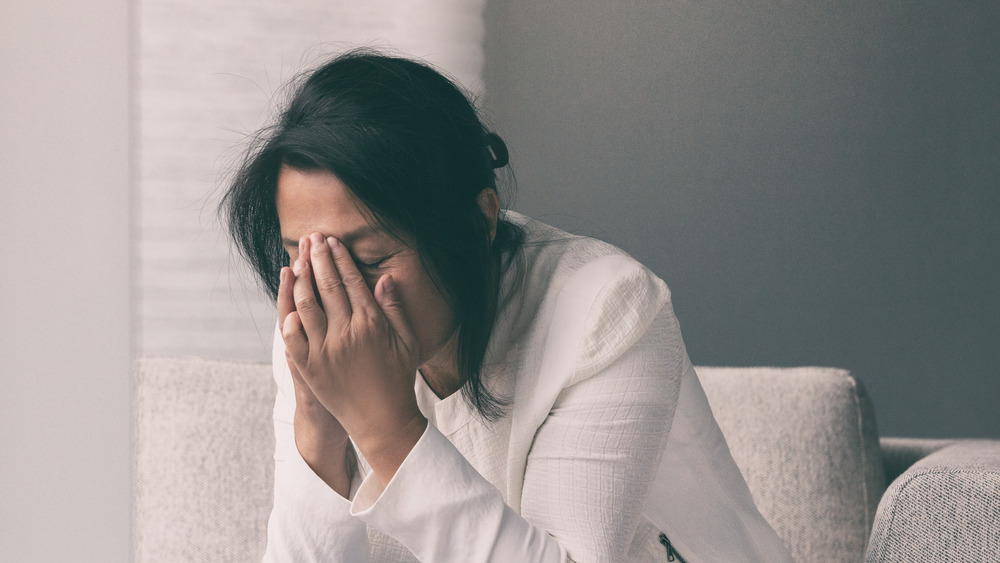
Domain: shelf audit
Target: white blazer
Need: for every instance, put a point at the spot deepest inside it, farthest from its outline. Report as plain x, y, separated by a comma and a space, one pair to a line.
607, 452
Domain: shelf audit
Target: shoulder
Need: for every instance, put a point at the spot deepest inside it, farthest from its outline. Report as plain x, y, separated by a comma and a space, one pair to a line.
552, 260
598, 298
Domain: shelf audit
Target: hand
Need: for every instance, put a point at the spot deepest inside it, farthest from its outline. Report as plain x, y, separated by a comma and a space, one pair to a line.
320, 438
355, 350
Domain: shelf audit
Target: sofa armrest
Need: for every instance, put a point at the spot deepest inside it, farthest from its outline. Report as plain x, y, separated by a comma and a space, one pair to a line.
204, 460
898, 454
946, 507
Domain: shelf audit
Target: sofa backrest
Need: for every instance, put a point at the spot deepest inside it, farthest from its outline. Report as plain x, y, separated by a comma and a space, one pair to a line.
806, 442
203, 455
804, 438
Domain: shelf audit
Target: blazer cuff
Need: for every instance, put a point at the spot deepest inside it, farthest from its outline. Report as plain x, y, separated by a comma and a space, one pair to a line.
435, 505
310, 522
311, 485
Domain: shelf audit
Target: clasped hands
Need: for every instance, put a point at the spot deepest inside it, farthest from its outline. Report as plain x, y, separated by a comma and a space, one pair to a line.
353, 355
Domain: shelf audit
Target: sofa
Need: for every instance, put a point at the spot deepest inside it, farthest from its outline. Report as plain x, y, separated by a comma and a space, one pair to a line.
805, 439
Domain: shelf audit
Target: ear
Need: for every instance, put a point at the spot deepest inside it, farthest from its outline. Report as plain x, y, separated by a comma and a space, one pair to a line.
489, 204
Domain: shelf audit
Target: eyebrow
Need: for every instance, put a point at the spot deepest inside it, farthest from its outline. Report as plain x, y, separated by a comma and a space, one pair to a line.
349, 238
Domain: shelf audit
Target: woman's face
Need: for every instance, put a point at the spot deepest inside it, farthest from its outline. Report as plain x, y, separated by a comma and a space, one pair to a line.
317, 201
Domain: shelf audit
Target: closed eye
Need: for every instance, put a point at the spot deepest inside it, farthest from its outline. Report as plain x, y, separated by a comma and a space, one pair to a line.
374, 265
370, 265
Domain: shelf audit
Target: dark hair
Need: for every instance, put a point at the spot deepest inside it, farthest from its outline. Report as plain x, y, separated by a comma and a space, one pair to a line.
410, 147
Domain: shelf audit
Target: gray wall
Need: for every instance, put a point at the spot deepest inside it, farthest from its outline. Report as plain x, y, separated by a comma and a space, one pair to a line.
816, 181
65, 492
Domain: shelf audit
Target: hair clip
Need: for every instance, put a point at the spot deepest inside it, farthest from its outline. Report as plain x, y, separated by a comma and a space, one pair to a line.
497, 150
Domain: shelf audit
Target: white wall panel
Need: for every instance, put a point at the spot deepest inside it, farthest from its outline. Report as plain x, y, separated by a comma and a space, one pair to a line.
209, 72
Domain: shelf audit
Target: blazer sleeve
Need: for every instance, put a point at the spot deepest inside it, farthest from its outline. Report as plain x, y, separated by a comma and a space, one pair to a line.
441, 509
437, 505
590, 464
589, 468
595, 455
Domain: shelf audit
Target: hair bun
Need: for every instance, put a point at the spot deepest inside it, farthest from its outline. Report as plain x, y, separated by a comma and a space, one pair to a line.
497, 150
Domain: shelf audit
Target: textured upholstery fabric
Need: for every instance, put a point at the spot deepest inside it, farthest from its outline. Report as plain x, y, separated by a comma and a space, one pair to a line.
806, 441
944, 508
898, 454
203, 460
803, 437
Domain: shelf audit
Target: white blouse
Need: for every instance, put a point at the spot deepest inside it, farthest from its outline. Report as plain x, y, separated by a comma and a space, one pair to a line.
608, 447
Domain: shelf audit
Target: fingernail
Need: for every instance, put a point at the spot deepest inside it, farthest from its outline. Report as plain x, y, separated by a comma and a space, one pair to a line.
316, 239
388, 285
298, 265
334, 243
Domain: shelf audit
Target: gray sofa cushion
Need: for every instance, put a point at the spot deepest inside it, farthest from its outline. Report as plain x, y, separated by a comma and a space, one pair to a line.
944, 508
203, 454
806, 441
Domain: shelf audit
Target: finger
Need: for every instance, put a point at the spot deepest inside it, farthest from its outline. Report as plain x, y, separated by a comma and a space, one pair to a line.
354, 283
286, 302
308, 308
388, 300
328, 283
305, 400
297, 380
296, 344
303, 393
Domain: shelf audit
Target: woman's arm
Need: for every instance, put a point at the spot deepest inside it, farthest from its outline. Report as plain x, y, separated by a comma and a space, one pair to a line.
583, 495
319, 436
353, 352
309, 522
584, 484
437, 505
593, 458
587, 475
593, 452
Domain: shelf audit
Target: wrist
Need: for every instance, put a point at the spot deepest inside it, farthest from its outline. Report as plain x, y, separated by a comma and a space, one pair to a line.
385, 450
334, 464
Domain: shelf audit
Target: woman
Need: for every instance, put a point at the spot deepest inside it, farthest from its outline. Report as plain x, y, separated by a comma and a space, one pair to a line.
370, 212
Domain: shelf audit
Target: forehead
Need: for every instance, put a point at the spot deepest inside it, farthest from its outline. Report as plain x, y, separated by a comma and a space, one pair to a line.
315, 200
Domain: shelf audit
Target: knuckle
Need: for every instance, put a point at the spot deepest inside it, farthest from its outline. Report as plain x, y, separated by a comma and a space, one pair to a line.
390, 301
353, 279
304, 305
375, 319
340, 339
370, 322
329, 284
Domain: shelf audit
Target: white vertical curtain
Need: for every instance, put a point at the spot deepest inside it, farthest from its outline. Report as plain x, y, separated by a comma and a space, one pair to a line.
209, 73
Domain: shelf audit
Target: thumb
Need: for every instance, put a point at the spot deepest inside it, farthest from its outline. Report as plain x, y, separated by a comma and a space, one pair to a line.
388, 300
